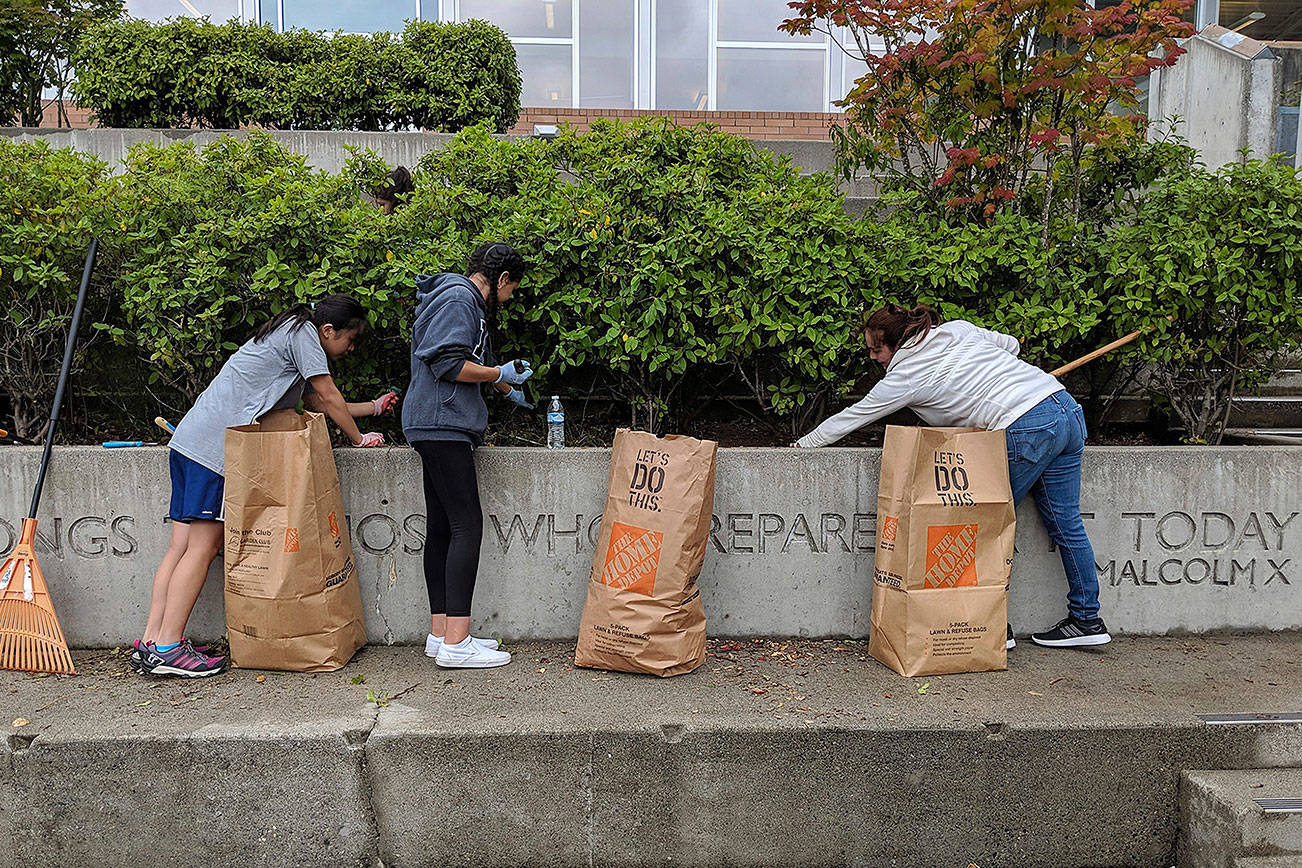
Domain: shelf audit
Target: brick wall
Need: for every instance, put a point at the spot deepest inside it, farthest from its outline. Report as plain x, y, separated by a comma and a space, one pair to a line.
752, 125
78, 118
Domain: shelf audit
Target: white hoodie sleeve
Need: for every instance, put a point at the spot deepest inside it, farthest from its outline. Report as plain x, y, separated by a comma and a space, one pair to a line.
891, 393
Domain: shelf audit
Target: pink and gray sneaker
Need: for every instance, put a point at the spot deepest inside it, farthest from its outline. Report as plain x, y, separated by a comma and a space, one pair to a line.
140, 648
138, 652
182, 661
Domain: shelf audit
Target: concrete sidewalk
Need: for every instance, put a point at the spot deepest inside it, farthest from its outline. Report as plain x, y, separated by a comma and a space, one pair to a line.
774, 752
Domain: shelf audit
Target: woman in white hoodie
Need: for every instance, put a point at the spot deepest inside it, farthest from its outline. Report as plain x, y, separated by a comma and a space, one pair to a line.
959, 374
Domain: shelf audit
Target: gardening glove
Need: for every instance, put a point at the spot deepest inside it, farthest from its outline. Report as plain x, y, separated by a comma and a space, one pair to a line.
384, 404
517, 397
514, 373
374, 438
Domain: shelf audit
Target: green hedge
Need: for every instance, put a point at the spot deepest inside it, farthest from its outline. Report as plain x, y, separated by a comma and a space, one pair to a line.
673, 271
191, 72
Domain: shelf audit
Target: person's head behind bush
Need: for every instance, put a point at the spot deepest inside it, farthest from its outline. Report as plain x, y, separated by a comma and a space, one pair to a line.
394, 193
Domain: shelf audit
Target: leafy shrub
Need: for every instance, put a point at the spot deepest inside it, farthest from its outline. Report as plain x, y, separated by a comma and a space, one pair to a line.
1210, 262
215, 241
669, 266
187, 71
48, 212
673, 271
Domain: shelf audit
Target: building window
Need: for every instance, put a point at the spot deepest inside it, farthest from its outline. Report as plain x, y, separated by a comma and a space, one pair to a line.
156, 10
546, 71
607, 53
730, 55
572, 52
1266, 20
682, 55
771, 79
350, 16
523, 19
650, 54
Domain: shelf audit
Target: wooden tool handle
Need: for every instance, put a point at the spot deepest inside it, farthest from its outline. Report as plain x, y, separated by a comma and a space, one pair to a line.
1089, 357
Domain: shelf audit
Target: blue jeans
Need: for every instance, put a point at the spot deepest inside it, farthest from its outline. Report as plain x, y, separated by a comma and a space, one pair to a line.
1045, 447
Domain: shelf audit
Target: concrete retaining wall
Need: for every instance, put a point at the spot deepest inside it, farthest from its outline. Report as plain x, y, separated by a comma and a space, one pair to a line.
327, 150
1187, 539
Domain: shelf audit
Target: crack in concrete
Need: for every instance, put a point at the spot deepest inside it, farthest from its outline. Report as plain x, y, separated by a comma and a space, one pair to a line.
588, 809
358, 739
379, 599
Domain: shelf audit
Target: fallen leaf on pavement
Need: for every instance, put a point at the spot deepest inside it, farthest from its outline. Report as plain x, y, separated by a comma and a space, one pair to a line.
260, 679
21, 721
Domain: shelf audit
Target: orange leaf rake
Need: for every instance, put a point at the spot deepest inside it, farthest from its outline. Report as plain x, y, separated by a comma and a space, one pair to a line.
31, 639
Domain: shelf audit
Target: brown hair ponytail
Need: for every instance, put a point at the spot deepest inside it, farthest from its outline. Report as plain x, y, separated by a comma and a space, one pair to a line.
901, 327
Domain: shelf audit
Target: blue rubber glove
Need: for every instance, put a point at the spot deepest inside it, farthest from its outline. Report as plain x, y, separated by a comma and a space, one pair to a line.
517, 397
507, 373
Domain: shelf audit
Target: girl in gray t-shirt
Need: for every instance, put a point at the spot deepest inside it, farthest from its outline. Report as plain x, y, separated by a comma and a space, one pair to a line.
286, 360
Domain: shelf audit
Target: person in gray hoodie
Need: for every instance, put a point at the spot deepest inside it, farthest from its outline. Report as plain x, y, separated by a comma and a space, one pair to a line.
444, 417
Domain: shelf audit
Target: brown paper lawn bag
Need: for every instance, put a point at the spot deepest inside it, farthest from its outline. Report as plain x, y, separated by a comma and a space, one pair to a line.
644, 611
293, 600
945, 523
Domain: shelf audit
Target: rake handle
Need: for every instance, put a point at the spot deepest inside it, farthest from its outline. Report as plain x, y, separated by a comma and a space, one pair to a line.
68, 349
1089, 357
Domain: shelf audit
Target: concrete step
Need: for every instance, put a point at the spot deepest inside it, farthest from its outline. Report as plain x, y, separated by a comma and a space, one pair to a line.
1275, 411
1222, 825
773, 752
1267, 862
1253, 411
1286, 383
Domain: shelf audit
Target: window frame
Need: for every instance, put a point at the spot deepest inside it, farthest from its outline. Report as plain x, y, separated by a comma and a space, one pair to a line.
833, 60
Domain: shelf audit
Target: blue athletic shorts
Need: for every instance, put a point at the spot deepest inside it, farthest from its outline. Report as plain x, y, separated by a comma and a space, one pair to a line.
196, 491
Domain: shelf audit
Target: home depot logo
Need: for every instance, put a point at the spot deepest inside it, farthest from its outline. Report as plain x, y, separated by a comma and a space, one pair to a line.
951, 556
333, 521
889, 530
291, 539
632, 559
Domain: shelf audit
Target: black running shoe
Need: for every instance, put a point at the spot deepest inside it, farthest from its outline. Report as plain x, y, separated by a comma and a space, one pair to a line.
1011, 643
1071, 632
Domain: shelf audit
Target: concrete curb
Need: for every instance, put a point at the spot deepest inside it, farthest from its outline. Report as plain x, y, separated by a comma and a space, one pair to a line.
773, 753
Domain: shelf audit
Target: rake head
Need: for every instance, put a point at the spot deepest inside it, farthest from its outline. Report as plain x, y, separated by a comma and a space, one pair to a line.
31, 639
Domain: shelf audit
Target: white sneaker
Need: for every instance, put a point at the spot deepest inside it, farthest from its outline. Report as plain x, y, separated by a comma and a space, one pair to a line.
434, 643
469, 654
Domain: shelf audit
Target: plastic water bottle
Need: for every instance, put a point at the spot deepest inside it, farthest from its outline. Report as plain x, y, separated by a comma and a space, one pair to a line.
555, 424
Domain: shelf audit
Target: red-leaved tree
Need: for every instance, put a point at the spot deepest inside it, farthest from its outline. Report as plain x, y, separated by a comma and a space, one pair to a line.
969, 101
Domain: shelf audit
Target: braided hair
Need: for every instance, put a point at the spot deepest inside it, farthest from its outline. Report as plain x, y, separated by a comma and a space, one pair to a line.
492, 260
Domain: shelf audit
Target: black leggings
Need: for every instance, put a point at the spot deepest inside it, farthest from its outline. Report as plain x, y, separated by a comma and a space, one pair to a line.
454, 525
